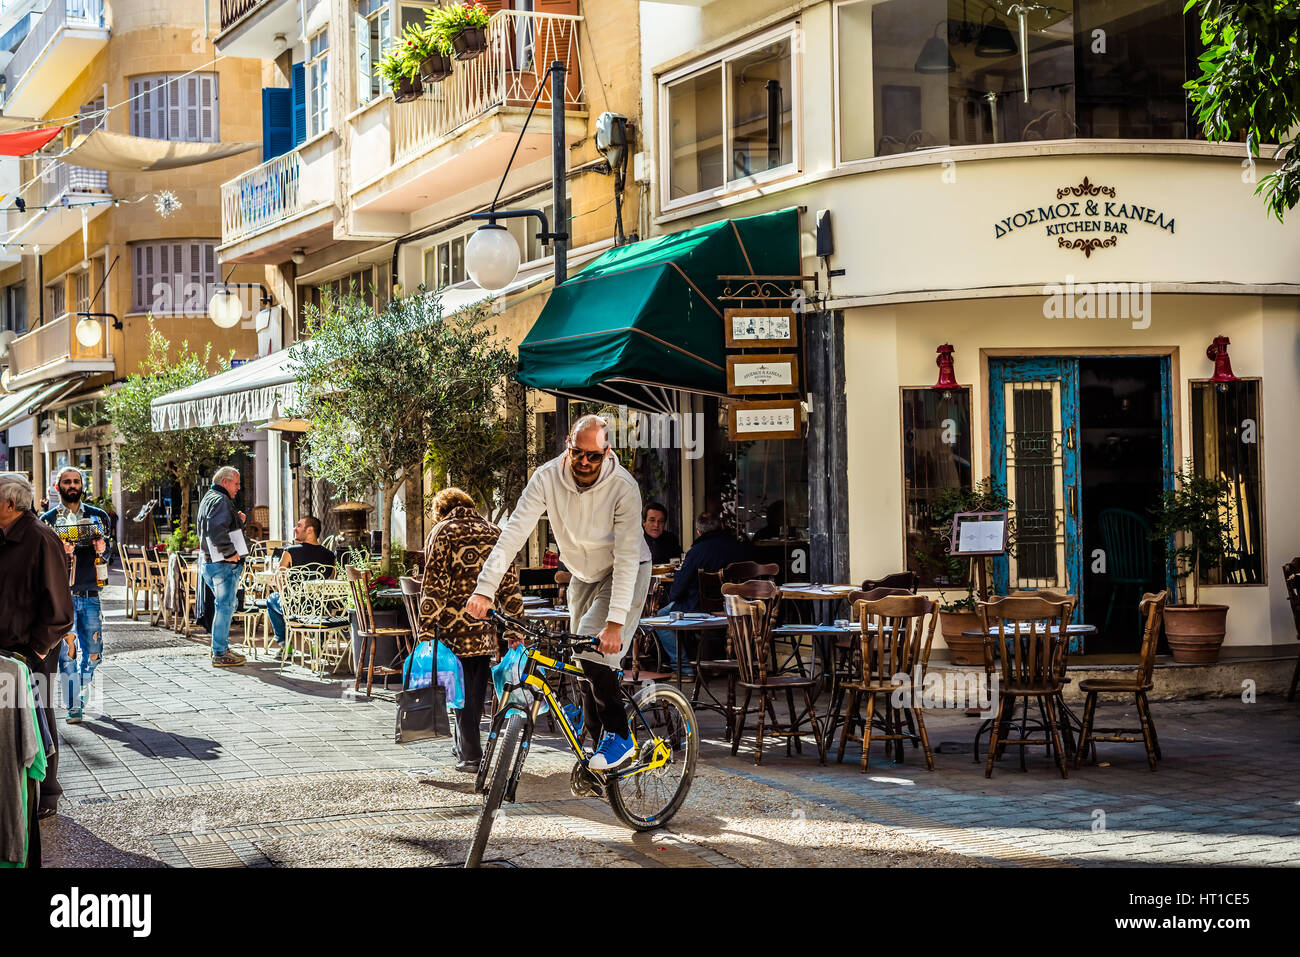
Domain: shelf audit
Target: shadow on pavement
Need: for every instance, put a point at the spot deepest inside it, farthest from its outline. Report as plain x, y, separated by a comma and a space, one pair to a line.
65, 843
152, 743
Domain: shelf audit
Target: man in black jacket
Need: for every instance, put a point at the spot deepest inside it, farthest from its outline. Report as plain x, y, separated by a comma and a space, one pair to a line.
35, 601
85, 533
715, 548
219, 522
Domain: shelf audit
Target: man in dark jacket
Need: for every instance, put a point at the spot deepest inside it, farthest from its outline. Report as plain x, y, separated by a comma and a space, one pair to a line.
714, 549
220, 535
35, 601
85, 532
664, 546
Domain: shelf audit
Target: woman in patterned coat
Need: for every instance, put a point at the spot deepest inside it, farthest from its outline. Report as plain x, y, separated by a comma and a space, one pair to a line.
455, 550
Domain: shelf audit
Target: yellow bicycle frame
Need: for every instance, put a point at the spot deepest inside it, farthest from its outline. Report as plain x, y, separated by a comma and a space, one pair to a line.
662, 753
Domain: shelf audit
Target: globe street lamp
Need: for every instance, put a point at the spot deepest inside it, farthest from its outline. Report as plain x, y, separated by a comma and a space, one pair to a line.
224, 308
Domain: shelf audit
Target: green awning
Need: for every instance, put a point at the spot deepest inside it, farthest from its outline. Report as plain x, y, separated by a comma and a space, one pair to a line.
26, 402
644, 320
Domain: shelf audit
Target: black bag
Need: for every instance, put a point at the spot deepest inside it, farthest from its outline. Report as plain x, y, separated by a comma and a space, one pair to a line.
422, 713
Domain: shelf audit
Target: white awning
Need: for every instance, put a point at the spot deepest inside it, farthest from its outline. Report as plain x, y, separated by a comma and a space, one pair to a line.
121, 153
16, 406
256, 391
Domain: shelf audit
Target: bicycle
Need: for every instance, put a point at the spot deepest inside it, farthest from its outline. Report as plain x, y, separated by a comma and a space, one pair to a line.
644, 794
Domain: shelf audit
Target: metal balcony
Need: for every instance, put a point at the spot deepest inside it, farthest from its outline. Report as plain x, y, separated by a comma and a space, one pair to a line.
69, 191
53, 351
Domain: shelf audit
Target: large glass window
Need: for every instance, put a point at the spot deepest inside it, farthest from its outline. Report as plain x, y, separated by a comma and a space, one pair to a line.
374, 36
950, 73
731, 120
15, 308
936, 458
1226, 436
444, 264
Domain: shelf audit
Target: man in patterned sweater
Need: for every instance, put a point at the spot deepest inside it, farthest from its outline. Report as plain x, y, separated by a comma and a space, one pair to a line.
454, 552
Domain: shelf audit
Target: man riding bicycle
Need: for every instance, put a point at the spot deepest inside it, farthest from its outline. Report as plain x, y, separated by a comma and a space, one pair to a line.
594, 507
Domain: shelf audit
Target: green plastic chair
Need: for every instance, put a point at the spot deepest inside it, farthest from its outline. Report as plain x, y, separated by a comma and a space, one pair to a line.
1126, 537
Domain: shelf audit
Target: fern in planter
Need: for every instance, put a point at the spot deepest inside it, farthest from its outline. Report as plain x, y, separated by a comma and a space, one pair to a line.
1196, 519
401, 71
462, 25
429, 51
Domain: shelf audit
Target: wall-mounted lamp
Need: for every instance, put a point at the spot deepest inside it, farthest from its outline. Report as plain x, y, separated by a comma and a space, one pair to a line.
1218, 351
947, 380
299, 256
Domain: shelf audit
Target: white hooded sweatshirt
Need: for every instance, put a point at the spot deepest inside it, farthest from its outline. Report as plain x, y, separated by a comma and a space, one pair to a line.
598, 529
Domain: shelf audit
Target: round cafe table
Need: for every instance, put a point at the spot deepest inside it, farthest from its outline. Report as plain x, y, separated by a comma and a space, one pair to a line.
687, 623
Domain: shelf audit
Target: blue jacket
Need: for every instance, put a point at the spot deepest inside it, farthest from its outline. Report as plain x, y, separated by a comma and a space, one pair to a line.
218, 517
712, 552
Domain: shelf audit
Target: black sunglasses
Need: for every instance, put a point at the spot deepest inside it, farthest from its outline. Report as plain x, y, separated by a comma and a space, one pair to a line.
586, 456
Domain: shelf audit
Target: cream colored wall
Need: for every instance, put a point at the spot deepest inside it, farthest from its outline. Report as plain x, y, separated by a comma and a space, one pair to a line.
887, 347
158, 38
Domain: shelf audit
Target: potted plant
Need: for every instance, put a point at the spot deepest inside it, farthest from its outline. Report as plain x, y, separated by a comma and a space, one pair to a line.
941, 566
389, 611
462, 25
401, 74
183, 541
1195, 518
429, 50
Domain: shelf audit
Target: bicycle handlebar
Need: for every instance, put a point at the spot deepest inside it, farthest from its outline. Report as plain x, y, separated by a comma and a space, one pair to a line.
504, 621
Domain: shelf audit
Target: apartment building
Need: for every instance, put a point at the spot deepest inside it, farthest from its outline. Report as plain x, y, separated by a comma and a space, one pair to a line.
91, 252
355, 190
1030, 206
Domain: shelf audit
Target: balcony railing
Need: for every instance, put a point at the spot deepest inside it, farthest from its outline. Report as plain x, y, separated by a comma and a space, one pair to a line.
232, 10
263, 196
56, 341
521, 47
59, 178
59, 14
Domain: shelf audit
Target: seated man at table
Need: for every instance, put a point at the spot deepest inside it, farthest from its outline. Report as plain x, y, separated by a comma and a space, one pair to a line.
664, 546
715, 548
305, 551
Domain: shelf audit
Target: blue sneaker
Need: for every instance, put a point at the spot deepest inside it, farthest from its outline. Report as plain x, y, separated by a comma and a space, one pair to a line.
75, 716
573, 714
613, 751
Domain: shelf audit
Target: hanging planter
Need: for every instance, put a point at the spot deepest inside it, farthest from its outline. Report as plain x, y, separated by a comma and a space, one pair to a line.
462, 25
435, 68
408, 88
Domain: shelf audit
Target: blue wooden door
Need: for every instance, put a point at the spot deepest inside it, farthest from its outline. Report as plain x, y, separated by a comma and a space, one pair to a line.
1034, 438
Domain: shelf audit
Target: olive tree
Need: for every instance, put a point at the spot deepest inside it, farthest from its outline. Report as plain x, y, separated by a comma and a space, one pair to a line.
146, 457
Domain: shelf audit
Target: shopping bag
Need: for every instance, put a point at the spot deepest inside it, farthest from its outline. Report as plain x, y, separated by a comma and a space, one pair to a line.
507, 671
422, 702
451, 675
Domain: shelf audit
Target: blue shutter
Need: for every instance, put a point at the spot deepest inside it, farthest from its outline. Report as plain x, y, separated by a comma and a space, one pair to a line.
299, 103
277, 122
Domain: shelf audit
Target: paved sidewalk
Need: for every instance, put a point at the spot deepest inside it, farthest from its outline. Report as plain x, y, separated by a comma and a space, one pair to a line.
187, 765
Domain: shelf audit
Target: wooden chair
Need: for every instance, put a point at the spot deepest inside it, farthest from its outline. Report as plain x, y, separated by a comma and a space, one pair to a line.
738, 572
359, 585
907, 581
897, 631
1291, 575
750, 630
312, 617
1026, 638
539, 581
710, 592
137, 582
155, 569
848, 660
1152, 608
562, 579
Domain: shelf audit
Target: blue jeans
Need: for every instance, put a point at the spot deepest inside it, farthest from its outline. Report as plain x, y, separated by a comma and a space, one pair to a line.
223, 579
77, 673
275, 612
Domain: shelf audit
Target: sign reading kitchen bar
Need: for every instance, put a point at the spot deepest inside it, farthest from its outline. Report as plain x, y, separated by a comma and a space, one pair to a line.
762, 328
770, 374
1075, 211
779, 419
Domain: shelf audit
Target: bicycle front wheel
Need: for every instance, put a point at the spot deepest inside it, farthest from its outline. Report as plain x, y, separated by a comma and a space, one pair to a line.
653, 789
506, 749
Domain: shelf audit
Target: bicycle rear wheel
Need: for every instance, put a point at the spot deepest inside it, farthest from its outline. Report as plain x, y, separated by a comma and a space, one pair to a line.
506, 749
648, 799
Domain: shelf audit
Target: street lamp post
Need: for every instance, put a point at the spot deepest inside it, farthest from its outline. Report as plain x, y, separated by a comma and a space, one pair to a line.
490, 265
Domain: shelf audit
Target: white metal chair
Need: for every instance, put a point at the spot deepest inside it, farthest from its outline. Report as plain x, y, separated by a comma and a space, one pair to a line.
314, 625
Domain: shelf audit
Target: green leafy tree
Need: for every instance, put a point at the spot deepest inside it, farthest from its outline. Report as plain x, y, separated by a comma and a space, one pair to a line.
386, 393
1196, 518
1249, 85
148, 457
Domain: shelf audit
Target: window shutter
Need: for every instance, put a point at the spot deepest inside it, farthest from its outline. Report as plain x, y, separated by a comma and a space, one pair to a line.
299, 90
173, 124
208, 101
277, 122
140, 107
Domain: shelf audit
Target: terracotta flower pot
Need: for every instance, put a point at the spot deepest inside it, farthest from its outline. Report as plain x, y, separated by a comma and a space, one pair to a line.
1195, 632
408, 88
962, 649
435, 68
469, 42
